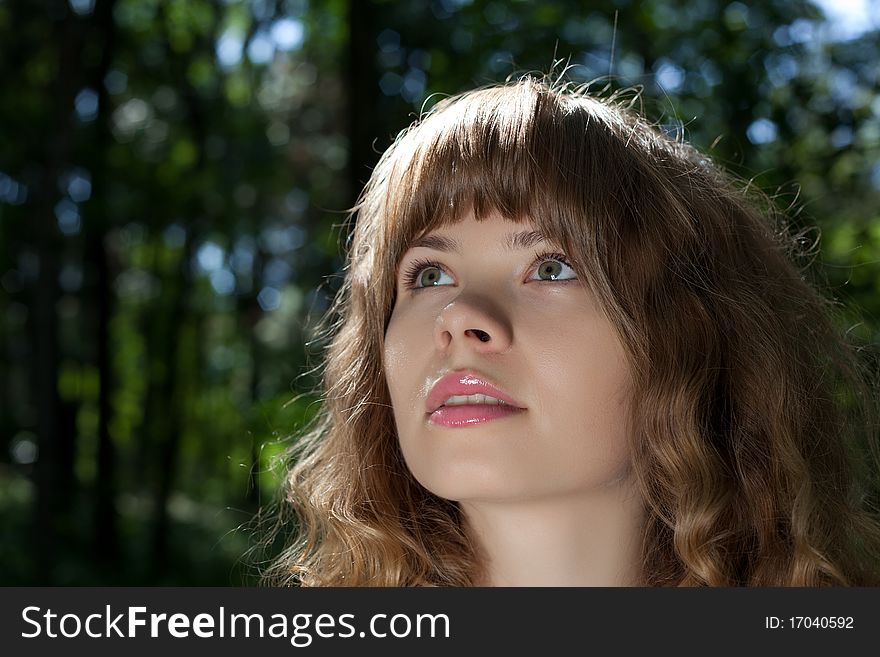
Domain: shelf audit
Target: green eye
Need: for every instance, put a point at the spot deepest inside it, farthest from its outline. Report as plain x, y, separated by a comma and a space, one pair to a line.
430, 276
551, 269
422, 273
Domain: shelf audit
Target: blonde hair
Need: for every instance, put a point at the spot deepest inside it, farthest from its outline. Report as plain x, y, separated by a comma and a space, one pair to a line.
751, 409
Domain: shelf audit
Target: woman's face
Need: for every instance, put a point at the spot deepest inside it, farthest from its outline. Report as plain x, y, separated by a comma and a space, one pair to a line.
490, 308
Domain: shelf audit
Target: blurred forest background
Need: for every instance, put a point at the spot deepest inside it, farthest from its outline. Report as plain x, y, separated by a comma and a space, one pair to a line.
174, 174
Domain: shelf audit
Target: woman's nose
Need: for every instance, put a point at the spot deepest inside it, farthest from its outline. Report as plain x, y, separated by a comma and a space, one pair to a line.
475, 322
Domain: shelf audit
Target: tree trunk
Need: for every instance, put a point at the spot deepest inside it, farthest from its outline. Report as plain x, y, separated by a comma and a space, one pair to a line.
364, 126
169, 395
105, 536
167, 439
53, 471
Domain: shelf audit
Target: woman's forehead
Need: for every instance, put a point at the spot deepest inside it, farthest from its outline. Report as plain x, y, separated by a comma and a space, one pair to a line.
453, 237
514, 233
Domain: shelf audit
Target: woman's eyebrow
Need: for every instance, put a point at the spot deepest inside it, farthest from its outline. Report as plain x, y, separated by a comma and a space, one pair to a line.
513, 242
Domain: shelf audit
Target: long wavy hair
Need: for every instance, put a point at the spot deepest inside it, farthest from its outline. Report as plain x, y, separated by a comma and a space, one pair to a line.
753, 419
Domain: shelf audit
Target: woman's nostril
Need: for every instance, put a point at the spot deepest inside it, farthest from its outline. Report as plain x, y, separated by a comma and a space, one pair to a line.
482, 335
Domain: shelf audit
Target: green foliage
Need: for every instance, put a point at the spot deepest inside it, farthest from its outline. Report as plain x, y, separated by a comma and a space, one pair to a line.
208, 151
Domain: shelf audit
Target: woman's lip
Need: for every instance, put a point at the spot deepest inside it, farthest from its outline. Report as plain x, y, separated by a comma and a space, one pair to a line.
466, 383
470, 414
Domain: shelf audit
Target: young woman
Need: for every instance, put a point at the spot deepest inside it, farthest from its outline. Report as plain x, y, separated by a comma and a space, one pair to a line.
569, 351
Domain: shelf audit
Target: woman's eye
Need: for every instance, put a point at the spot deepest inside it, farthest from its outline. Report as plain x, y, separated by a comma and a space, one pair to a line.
430, 277
551, 269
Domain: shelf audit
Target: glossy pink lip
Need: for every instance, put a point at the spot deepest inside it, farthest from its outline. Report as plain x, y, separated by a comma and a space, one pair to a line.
470, 414
467, 383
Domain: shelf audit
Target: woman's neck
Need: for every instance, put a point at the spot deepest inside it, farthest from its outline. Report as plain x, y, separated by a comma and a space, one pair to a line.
589, 539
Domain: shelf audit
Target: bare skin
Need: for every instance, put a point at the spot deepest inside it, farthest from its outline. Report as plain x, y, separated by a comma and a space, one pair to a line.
545, 483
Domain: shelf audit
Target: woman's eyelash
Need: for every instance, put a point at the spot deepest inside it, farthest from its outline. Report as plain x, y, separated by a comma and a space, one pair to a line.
561, 257
411, 275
